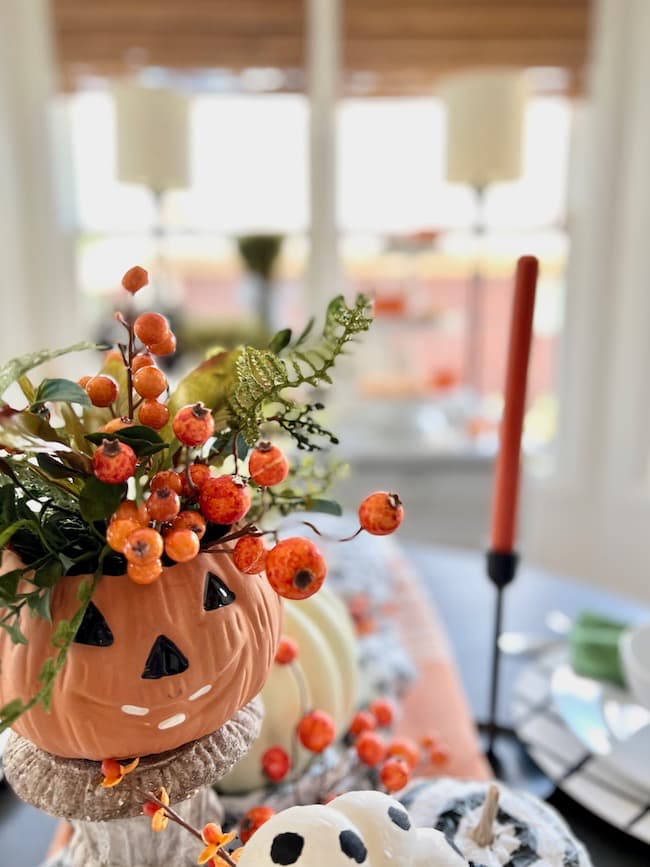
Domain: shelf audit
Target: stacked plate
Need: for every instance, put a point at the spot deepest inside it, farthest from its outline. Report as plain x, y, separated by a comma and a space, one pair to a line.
592, 739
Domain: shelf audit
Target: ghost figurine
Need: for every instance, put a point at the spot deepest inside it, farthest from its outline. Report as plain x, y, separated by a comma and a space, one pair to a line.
359, 828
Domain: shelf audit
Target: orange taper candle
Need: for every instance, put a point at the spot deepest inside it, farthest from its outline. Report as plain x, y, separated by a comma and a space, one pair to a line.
506, 481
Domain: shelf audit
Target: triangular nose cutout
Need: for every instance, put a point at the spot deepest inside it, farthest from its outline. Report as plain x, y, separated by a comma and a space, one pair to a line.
216, 593
164, 660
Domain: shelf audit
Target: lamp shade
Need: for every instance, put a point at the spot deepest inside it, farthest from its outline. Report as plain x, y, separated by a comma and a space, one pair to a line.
152, 136
485, 119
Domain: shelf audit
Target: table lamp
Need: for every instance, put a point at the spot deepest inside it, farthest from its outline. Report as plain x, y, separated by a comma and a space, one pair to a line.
153, 146
485, 119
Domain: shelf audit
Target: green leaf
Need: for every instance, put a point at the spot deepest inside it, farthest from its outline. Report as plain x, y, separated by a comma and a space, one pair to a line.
49, 574
280, 340
14, 369
8, 532
327, 507
58, 469
242, 447
14, 631
28, 432
98, 500
9, 586
143, 440
40, 604
59, 389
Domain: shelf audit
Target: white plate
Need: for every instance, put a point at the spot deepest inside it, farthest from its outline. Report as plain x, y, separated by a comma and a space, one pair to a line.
608, 722
590, 739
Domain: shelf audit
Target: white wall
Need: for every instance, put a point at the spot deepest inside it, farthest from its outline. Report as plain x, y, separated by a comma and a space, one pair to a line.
592, 517
36, 271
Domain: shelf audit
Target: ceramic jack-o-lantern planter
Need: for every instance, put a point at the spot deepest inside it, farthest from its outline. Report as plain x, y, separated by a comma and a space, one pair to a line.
152, 667
141, 576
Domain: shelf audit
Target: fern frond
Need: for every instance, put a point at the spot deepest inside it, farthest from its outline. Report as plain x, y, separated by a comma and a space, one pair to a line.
262, 376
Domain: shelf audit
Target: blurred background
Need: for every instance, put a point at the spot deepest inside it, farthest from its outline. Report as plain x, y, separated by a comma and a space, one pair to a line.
259, 158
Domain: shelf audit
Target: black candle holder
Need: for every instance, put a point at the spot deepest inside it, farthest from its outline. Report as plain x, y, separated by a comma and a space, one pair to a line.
501, 570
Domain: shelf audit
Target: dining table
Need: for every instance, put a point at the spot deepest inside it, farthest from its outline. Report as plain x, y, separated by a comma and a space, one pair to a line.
449, 602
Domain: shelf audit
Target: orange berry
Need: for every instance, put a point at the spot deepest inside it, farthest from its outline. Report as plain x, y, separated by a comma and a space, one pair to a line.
150, 808
224, 499
316, 731
295, 568
163, 505
113, 355
142, 359
394, 774
116, 424
144, 573
370, 748
406, 749
383, 711
276, 763
249, 555
153, 414
134, 279
193, 425
114, 462
287, 651
439, 754
83, 382
129, 509
149, 382
102, 390
119, 531
198, 475
268, 465
182, 545
381, 513
211, 834
111, 768
166, 479
362, 721
190, 520
143, 546
253, 820
164, 347
151, 328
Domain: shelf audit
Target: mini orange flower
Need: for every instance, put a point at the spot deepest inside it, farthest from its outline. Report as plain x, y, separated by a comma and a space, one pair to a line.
114, 772
214, 839
158, 816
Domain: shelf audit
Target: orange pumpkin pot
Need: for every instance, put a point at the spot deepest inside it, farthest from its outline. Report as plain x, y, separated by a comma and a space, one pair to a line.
152, 667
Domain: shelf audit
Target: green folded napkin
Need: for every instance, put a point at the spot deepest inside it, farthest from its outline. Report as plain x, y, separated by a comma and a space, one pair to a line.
593, 645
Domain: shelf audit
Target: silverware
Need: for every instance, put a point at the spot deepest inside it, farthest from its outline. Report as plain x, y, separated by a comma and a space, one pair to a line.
532, 644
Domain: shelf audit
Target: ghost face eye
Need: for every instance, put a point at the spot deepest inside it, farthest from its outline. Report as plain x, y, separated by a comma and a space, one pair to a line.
94, 631
287, 848
352, 845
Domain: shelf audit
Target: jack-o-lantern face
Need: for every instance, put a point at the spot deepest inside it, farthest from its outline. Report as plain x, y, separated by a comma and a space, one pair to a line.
152, 667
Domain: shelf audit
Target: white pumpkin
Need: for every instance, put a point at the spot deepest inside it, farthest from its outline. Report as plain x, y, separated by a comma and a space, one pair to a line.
359, 828
523, 824
326, 677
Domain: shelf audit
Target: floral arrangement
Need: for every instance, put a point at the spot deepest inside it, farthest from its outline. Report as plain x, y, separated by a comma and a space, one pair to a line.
116, 473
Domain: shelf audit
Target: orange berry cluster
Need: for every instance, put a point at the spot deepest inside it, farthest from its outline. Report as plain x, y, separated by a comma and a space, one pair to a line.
178, 504
395, 758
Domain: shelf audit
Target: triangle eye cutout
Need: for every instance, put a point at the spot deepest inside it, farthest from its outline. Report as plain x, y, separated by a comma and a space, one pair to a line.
216, 593
164, 660
94, 630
